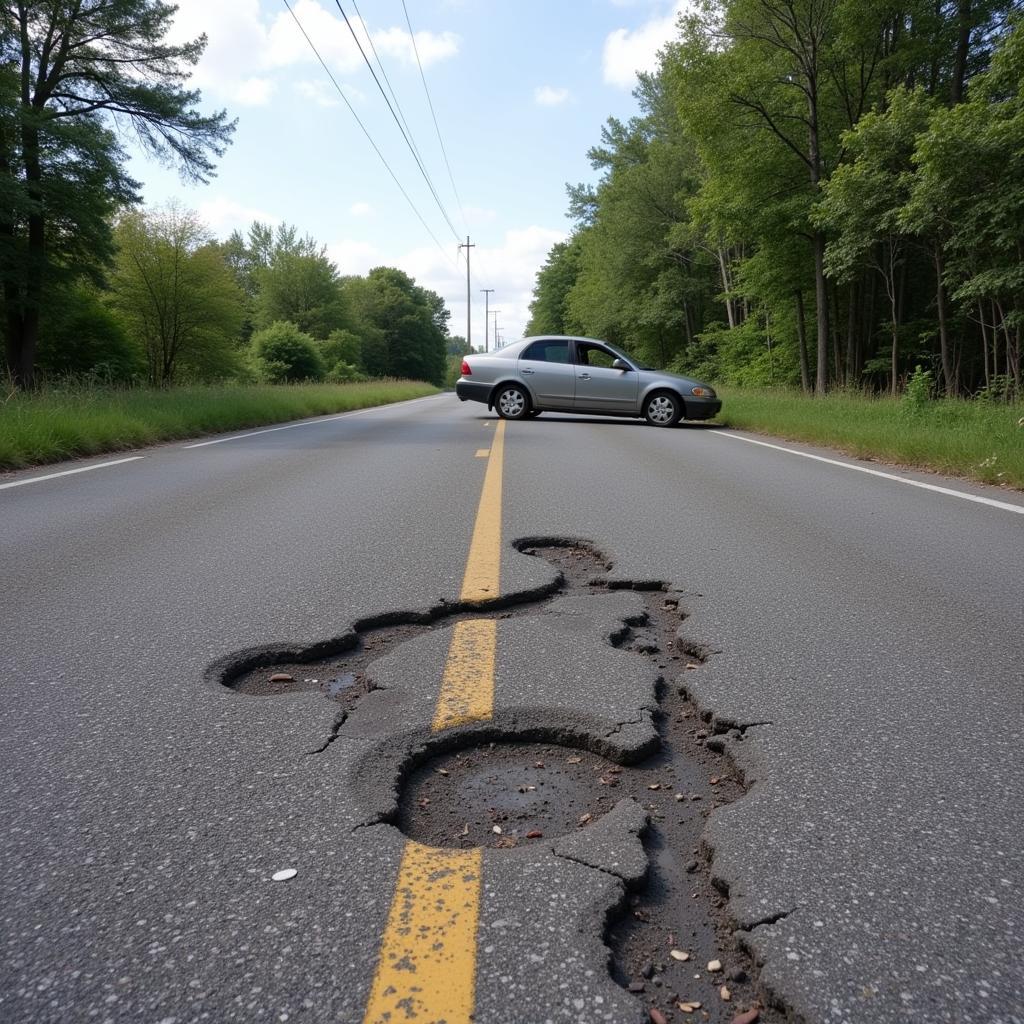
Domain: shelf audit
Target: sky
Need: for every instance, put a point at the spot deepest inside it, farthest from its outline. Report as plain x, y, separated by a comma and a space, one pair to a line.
520, 90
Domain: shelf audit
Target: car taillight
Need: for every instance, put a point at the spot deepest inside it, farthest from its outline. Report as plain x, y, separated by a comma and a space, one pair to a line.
466, 371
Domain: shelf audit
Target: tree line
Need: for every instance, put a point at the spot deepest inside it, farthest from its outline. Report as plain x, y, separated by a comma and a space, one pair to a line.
826, 193
93, 284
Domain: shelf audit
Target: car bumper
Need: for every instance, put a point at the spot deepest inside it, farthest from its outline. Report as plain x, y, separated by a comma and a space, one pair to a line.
469, 390
702, 408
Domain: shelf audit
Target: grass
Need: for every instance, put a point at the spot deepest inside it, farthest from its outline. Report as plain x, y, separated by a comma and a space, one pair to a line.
63, 423
978, 440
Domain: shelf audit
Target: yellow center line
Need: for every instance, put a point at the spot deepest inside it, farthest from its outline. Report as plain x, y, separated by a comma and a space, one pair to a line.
427, 966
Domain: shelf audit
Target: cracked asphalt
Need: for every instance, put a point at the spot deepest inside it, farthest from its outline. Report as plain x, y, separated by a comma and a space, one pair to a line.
874, 868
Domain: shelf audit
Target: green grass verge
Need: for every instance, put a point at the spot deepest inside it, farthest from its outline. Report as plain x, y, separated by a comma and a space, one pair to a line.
972, 439
63, 423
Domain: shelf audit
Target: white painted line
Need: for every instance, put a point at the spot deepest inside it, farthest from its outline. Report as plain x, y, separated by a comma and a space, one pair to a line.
310, 423
71, 472
1004, 505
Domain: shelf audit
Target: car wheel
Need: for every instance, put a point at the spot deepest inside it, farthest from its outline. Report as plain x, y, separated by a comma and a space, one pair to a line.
512, 403
663, 409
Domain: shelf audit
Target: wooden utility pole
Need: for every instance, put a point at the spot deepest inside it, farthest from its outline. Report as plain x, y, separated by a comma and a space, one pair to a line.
487, 300
469, 322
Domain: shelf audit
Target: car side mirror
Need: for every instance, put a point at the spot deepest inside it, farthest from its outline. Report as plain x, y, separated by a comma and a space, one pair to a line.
621, 364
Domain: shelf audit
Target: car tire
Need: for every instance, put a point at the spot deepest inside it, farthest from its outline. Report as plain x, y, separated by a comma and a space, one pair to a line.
663, 409
512, 403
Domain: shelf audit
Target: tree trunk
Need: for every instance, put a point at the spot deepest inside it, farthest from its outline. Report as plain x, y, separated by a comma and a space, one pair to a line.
837, 359
948, 376
852, 363
25, 359
821, 299
726, 287
801, 334
963, 43
984, 342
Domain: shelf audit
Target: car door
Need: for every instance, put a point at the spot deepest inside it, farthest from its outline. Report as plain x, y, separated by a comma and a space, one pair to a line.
599, 387
547, 369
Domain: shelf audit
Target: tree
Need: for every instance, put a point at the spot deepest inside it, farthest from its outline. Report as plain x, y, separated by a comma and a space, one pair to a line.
173, 290
403, 326
862, 203
295, 281
76, 72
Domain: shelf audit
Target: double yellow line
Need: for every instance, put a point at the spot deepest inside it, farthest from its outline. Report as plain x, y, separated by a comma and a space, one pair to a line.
427, 966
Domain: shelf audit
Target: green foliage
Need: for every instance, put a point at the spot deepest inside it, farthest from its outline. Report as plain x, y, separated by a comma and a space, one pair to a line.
52, 424
974, 439
402, 325
457, 346
284, 354
919, 391
176, 296
293, 280
549, 312
112, 74
808, 173
83, 338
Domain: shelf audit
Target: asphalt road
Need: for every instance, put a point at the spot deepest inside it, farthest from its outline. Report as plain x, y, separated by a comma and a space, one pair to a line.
868, 648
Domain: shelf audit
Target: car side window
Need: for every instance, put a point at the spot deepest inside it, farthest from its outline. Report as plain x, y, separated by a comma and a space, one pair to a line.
593, 355
548, 351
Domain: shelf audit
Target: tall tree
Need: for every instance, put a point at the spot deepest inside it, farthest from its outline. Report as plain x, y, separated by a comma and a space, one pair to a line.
173, 289
76, 72
404, 326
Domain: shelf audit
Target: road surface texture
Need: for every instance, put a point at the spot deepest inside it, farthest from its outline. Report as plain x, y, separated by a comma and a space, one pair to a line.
858, 653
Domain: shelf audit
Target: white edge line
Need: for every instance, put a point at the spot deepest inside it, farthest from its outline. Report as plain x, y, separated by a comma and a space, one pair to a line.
71, 472
1004, 505
310, 422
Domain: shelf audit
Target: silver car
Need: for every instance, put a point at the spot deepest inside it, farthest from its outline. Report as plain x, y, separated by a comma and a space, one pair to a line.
564, 374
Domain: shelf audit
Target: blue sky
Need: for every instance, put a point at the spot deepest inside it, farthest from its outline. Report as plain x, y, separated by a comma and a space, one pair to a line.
521, 89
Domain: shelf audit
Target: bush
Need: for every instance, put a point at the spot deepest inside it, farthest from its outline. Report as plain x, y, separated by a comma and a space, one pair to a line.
82, 338
919, 391
283, 354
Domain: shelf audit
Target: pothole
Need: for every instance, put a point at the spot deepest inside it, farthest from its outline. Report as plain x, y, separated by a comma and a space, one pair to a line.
506, 794
511, 793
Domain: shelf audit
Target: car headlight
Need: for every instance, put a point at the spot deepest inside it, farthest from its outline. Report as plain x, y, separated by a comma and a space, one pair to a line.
702, 392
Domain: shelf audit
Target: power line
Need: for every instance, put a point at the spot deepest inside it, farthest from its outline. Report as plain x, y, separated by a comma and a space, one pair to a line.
430, 103
387, 81
437, 127
412, 148
369, 137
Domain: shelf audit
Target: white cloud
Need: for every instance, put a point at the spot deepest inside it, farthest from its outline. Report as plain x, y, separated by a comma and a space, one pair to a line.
360, 209
223, 215
628, 51
509, 268
322, 93
244, 45
252, 92
549, 96
351, 257
432, 47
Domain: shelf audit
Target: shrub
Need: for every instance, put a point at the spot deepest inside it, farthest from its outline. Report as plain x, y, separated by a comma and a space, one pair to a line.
919, 391
282, 354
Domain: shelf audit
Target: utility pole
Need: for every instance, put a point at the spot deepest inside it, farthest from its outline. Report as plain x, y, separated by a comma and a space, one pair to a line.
487, 298
494, 313
469, 338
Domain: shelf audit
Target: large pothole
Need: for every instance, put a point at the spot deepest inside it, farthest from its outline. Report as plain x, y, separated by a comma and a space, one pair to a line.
505, 794
510, 793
